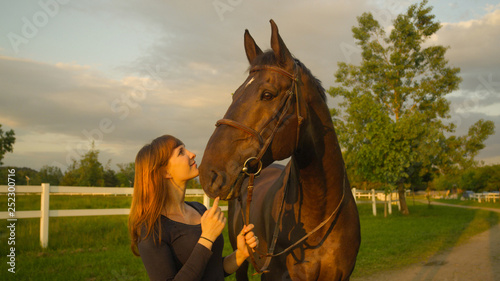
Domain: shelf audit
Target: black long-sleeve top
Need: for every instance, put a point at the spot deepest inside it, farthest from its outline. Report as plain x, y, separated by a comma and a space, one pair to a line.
179, 256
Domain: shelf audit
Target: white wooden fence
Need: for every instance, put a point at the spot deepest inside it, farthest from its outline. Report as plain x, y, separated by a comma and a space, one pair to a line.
44, 213
486, 197
377, 197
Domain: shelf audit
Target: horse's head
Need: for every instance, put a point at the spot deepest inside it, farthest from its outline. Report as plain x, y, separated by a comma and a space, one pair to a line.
261, 124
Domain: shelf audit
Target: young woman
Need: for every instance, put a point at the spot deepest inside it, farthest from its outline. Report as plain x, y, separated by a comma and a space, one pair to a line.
178, 240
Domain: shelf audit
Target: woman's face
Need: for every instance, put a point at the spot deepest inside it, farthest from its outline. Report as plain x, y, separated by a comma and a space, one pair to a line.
181, 165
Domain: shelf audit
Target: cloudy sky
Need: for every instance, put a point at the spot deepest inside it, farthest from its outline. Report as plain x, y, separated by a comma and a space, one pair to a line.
124, 72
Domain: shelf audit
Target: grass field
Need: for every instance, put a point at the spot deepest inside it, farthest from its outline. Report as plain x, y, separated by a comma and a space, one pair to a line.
97, 248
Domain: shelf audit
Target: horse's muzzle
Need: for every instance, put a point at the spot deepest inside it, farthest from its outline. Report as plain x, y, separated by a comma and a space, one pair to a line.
215, 184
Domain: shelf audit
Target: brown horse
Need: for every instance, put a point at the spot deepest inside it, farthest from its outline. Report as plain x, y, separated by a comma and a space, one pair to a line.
305, 216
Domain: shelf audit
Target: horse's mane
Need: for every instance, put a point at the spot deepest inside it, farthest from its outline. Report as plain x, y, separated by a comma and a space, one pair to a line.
268, 58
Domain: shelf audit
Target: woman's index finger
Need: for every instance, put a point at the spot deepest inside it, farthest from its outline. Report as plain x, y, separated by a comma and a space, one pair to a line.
214, 206
216, 203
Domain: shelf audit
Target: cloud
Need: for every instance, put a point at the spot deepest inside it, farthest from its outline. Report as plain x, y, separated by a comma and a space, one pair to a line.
53, 97
66, 107
200, 37
474, 48
181, 83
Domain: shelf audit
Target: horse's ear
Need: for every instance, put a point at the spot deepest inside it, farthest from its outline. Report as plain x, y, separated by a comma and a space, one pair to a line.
281, 52
251, 47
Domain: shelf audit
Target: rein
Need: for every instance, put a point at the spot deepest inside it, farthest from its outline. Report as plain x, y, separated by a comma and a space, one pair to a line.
270, 253
284, 107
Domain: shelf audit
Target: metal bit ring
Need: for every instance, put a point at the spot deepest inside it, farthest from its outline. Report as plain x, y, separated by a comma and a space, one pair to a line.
245, 168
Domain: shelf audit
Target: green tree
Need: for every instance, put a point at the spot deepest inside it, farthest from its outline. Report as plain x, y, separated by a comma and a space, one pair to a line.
109, 176
193, 184
493, 181
91, 171
50, 174
7, 141
71, 176
469, 180
86, 172
445, 182
27, 176
125, 174
479, 179
22, 176
459, 152
392, 129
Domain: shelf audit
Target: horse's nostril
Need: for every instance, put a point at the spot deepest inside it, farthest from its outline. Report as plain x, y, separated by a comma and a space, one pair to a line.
213, 178
217, 181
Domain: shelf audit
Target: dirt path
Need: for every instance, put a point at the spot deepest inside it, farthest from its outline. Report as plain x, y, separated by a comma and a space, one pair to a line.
477, 259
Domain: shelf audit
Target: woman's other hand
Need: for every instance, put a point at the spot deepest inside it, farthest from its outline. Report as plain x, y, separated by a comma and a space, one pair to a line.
212, 223
246, 237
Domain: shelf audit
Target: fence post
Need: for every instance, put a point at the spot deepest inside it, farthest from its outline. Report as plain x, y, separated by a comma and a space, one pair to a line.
354, 194
206, 201
390, 203
399, 201
44, 215
374, 202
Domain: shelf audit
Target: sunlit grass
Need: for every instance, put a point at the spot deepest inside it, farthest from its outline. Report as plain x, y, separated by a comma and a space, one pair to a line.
398, 240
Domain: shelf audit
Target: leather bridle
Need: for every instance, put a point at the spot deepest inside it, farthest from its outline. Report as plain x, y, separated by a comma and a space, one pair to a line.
284, 107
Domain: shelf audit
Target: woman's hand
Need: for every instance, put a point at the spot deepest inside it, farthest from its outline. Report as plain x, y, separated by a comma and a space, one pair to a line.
212, 222
246, 237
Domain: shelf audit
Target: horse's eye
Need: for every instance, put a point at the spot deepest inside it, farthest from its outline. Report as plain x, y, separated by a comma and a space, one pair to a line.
267, 96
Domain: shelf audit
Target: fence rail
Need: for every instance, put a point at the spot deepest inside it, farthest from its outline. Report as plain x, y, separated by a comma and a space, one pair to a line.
486, 196
377, 197
45, 213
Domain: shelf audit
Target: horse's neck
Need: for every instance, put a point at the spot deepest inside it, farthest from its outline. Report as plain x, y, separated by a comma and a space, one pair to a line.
321, 167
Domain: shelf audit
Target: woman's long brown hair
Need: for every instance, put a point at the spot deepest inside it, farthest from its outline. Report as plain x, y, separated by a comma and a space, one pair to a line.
150, 189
